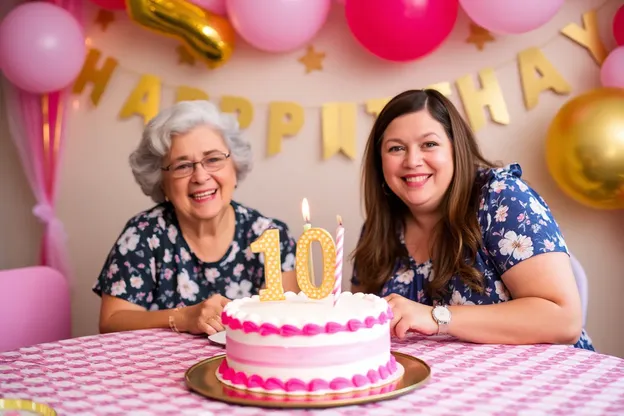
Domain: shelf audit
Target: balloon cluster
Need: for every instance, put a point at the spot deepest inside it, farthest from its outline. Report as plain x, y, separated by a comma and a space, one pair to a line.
612, 69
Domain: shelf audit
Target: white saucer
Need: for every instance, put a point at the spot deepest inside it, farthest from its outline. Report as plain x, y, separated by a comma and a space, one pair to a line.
218, 338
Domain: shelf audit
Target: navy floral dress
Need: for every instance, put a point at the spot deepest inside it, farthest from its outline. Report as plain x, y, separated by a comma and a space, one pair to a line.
516, 224
151, 264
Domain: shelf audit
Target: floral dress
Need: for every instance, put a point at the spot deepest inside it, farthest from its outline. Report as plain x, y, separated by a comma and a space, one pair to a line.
516, 224
151, 264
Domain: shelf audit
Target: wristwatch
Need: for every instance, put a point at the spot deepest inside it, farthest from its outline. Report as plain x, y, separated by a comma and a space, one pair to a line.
442, 315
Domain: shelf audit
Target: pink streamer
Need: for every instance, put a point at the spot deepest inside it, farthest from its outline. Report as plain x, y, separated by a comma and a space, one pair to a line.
25, 113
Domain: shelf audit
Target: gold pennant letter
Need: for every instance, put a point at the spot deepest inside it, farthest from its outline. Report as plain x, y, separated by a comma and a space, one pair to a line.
490, 95
99, 77
375, 105
144, 100
184, 93
285, 119
530, 61
588, 36
338, 126
240, 106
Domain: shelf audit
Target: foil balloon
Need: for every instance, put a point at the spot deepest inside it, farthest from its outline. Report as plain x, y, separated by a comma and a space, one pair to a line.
207, 35
585, 148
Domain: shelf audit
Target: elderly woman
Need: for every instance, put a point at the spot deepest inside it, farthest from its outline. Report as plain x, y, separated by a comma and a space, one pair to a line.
457, 245
178, 263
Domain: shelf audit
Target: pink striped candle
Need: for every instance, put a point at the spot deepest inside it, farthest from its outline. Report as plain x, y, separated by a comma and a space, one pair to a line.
339, 250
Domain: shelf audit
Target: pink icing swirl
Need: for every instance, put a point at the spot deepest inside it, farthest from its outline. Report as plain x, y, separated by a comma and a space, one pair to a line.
238, 378
308, 330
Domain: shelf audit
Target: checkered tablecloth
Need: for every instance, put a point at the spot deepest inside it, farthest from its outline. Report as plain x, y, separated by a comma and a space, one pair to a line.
142, 373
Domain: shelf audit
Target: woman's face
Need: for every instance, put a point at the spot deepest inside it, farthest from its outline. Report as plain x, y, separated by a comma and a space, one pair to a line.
203, 192
417, 160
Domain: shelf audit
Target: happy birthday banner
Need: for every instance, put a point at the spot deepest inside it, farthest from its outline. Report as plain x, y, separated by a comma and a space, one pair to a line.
338, 119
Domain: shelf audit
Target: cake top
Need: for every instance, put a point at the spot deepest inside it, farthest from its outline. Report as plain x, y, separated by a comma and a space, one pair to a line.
298, 310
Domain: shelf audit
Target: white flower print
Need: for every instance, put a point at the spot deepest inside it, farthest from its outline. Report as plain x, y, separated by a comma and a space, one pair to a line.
233, 252
156, 213
237, 290
562, 242
136, 282
186, 256
517, 245
521, 186
128, 241
538, 208
238, 270
186, 287
249, 254
167, 257
260, 225
112, 270
498, 186
289, 262
549, 245
501, 290
172, 233
153, 242
161, 223
406, 277
458, 299
212, 274
426, 270
153, 269
118, 288
501, 213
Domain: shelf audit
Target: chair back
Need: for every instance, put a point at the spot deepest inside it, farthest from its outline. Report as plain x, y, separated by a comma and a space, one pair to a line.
581, 283
34, 307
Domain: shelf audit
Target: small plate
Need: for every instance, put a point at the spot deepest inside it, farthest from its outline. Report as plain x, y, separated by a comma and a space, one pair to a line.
218, 338
202, 379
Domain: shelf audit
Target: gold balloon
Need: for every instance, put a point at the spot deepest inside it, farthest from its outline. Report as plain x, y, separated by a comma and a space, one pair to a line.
585, 148
208, 36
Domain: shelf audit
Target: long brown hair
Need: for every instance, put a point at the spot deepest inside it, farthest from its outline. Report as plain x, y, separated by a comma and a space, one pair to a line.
456, 237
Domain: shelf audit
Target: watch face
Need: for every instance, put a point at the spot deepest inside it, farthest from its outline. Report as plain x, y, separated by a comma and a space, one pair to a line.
442, 314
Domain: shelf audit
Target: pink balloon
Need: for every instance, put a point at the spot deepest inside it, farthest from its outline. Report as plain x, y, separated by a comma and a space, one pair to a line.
42, 47
401, 30
618, 26
214, 6
277, 25
511, 16
111, 4
612, 69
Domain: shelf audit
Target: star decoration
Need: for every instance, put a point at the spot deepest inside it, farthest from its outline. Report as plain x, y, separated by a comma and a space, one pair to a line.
312, 60
184, 56
104, 18
479, 36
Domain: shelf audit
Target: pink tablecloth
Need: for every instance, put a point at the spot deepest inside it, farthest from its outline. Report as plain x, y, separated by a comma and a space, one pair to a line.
142, 373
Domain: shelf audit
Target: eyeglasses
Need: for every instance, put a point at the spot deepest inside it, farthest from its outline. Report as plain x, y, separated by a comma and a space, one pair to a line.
211, 163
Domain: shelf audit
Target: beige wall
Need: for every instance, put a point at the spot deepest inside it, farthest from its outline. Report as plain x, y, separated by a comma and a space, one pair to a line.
98, 193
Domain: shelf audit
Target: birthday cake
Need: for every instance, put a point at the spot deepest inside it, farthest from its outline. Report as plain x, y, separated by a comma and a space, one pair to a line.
303, 346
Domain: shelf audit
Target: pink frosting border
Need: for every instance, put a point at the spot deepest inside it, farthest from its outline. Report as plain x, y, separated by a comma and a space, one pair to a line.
239, 378
266, 329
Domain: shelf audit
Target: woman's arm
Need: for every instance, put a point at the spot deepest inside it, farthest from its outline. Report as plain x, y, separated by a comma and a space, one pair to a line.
545, 307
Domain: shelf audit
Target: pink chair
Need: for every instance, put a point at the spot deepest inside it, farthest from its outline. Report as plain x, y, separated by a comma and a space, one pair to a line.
34, 307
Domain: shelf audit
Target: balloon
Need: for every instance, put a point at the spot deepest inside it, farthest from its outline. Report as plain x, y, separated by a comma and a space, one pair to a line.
207, 35
42, 47
585, 148
214, 6
400, 30
111, 4
618, 26
278, 25
511, 16
612, 69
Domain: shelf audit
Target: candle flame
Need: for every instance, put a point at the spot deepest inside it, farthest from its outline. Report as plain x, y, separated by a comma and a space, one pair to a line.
305, 210
339, 219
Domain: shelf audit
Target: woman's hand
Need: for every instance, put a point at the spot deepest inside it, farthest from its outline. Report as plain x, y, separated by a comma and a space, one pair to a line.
410, 316
205, 317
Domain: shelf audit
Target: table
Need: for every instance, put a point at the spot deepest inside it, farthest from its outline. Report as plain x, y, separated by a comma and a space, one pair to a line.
142, 373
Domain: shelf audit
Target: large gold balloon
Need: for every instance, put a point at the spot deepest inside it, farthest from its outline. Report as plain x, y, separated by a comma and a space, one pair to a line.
208, 36
585, 148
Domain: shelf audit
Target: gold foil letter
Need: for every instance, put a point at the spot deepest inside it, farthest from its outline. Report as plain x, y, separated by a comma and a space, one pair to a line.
530, 61
338, 126
285, 119
490, 95
99, 77
240, 106
588, 36
144, 100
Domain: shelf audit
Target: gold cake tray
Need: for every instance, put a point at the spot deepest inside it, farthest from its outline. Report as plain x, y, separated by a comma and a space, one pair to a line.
202, 379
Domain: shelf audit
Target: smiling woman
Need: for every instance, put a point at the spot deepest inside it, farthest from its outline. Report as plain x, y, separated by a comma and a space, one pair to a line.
178, 263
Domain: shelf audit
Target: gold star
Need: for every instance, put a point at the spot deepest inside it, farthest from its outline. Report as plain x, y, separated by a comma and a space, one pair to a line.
312, 60
184, 56
104, 18
479, 36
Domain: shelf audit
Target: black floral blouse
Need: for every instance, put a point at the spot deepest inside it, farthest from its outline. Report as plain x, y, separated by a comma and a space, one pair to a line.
151, 264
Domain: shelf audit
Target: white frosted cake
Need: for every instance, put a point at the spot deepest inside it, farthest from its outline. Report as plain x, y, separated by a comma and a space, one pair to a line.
303, 346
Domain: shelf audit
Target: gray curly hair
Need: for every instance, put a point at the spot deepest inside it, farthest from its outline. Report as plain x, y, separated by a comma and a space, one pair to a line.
184, 116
